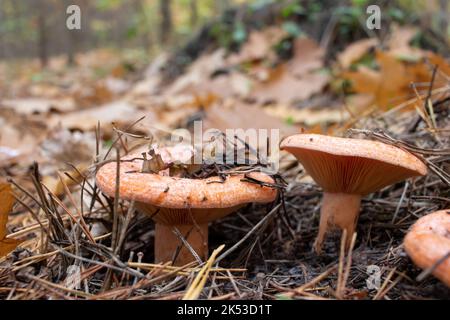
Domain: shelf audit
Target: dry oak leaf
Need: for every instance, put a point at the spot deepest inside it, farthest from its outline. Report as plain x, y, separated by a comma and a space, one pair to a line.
120, 112
69, 178
283, 87
399, 44
29, 106
19, 136
308, 116
239, 115
6, 203
258, 46
308, 56
296, 80
388, 86
356, 51
391, 85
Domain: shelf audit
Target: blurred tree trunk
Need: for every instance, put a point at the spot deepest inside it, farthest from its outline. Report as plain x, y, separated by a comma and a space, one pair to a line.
194, 13
221, 5
71, 38
142, 13
166, 20
443, 17
42, 32
2, 46
71, 44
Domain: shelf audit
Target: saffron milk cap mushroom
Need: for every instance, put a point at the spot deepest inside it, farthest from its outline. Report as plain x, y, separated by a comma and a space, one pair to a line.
186, 204
348, 169
428, 244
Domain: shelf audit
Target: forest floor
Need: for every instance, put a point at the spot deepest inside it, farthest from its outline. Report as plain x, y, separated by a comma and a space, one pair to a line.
59, 124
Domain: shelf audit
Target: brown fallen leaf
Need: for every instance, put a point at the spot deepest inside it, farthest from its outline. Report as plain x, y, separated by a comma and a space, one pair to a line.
14, 143
198, 74
19, 136
308, 116
358, 103
56, 186
28, 106
120, 112
399, 46
45, 90
224, 116
6, 203
391, 84
308, 57
88, 96
298, 79
258, 46
443, 75
355, 51
7, 245
283, 87
231, 85
364, 79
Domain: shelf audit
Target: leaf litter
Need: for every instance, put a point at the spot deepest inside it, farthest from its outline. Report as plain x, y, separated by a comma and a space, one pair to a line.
61, 219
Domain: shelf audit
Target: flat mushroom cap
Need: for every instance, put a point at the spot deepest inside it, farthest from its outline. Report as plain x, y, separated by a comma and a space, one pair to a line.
181, 193
354, 166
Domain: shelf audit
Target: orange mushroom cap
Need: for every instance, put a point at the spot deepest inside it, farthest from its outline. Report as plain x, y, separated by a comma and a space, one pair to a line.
182, 193
353, 166
185, 204
428, 242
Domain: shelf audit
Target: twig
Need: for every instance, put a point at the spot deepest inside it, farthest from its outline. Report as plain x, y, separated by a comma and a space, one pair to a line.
256, 227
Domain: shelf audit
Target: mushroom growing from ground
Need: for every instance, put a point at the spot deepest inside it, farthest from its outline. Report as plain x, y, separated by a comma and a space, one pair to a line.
183, 204
348, 169
428, 244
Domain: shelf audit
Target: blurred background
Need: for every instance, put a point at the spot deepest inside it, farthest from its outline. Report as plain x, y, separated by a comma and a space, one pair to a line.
37, 28
306, 64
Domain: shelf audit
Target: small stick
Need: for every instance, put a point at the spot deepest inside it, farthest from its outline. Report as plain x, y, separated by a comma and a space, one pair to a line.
256, 227
405, 189
425, 273
186, 244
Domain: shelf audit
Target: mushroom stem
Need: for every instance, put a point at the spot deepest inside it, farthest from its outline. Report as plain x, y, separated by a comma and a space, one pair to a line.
168, 244
339, 210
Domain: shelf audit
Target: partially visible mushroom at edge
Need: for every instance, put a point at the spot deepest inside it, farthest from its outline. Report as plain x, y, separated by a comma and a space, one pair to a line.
428, 244
182, 203
348, 169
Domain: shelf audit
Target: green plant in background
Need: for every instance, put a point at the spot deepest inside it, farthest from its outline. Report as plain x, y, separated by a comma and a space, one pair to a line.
360, 3
313, 10
221, 32
349, 19
292, 28
283, 49
367, 60
229, 36
397, 15
258, 4
292, 9
137, 23
239, 33
106, 5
